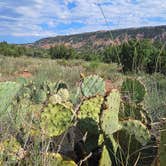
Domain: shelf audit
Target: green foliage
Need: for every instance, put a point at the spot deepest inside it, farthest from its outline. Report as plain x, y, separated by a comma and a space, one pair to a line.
162, 148
47, 114
20, 50
137, 55
56, 119
10, 151
58, 160
137, 112
138, 129
8, 90
132, 55
110, 54
133, 90
61, 52
39, 96
93, 85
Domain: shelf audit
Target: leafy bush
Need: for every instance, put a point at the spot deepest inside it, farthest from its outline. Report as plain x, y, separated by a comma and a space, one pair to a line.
61, 52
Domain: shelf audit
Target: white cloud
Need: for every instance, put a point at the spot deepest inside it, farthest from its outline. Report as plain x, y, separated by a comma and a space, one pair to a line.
51, 17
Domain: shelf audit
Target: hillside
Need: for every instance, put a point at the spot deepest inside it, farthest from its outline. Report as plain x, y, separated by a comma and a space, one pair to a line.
99, 39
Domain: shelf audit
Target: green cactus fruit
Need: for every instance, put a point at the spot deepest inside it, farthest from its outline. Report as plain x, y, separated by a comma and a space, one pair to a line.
133, 90
89, 114
93, 85
10, 150
64, 94
162, 147
137, 129
56, 119
109, 118
39, 96
8, 90
58, 160
105, 158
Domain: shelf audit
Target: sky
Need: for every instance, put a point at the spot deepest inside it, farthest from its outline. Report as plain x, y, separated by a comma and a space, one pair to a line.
25, 21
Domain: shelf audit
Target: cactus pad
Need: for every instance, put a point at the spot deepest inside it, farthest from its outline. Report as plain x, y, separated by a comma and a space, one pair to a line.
92, 86
40, 96
136, 111
64, 94
58, 160
109, 118
133, 90
91, 108
138, 129
89, 114
55, 119
105, 158
8, 90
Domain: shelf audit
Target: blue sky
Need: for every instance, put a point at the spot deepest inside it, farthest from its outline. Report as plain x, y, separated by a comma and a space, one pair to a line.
25, 21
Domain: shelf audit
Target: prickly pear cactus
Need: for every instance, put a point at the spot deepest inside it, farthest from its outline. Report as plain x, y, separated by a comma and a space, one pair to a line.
55, 99
93, 85
162, 147
137, 129
39, 96
64, 94
105, 158
109, 118
61, 85
56, 119
133, 90
8, 90
58, 160
135, 111
21, 80
10, 150
89, 114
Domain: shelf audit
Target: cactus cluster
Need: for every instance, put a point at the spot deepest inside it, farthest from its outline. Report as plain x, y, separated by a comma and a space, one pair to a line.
47, 112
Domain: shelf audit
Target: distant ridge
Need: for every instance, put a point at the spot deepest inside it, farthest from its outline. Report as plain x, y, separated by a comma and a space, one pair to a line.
100, 39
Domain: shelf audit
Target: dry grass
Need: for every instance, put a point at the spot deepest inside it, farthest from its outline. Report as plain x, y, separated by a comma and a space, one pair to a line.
53, 70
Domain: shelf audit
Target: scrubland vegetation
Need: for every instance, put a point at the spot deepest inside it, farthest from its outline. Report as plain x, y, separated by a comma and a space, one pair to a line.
63, 107
133, 55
